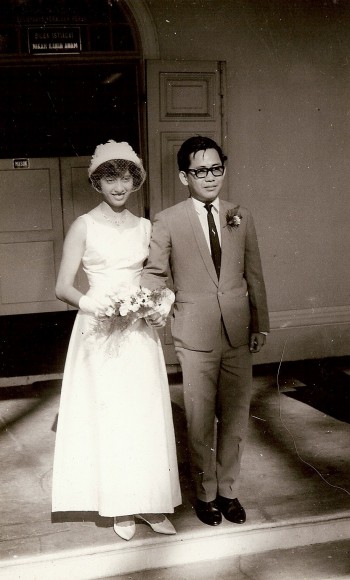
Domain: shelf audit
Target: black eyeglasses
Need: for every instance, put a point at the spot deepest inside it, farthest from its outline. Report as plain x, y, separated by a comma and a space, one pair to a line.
202, 172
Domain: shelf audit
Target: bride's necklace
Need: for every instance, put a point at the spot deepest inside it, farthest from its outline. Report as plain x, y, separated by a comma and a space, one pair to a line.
117, 221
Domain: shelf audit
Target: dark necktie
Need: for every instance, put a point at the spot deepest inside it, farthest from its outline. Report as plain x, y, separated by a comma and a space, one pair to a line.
214, 240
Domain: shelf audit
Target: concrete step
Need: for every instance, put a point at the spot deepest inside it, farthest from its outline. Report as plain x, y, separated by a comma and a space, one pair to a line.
316, 562
197, 546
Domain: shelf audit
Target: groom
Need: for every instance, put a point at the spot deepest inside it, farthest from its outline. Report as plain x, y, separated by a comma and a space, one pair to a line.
220, 319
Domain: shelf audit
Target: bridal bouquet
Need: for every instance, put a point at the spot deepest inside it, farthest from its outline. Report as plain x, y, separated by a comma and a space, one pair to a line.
131, 304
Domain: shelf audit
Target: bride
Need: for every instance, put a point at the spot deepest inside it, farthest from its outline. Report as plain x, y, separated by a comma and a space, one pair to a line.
115, 447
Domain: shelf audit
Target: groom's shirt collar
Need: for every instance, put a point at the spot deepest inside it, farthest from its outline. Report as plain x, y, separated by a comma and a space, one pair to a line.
202, 213
199, 205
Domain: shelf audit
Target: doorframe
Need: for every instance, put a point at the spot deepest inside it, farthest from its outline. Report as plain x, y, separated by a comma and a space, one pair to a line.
146, 28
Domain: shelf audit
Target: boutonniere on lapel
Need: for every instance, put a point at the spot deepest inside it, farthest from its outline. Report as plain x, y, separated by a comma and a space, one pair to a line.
233, 218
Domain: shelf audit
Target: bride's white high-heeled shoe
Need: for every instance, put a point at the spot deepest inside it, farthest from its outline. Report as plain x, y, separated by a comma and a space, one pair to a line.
124, 527
164, 526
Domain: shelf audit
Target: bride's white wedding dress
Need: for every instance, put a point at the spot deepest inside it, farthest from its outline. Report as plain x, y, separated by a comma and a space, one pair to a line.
115, 447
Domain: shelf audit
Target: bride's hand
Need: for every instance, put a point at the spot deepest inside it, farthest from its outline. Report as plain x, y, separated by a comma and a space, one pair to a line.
96, 307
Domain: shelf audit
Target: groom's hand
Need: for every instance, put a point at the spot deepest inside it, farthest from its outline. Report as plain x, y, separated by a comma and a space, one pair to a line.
156, 320
257, 341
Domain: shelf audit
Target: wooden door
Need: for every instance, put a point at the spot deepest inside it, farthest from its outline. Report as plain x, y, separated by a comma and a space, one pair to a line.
183, 99
31, 235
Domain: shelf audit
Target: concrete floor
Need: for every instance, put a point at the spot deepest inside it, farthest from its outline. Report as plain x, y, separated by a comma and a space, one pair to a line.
295, 486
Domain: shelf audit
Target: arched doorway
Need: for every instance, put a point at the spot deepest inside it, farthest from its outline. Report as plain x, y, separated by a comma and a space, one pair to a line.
74, 77
71, 77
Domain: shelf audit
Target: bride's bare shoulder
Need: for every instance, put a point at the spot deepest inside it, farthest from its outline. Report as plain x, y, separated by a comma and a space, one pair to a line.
135, 220
95, 212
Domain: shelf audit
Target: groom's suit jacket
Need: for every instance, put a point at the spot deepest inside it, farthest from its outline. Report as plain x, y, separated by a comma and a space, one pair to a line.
202, 301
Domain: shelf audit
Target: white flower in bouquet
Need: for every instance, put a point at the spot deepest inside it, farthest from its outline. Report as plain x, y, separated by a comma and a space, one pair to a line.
131, 304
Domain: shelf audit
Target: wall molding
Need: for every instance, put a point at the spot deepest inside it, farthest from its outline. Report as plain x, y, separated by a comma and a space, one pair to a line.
310, 317
307, 334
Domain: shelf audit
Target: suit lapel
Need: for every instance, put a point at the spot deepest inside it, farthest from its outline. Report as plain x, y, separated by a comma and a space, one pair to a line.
200, 239
227, 239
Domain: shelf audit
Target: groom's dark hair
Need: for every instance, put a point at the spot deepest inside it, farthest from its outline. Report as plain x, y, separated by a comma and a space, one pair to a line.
192, 146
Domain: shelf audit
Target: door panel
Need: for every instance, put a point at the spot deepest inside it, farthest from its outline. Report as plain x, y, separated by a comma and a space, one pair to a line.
30, 236
78, 197
184, 99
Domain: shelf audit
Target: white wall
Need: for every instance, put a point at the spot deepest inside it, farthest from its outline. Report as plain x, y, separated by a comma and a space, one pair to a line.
288, 143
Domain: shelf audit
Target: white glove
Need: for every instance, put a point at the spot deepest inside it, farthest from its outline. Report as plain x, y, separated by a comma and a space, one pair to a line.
168, 300
95, 307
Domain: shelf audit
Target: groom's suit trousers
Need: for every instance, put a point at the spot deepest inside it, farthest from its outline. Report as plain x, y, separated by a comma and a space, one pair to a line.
217, 393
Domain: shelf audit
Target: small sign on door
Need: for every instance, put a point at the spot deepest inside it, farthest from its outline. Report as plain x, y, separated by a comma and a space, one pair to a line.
21, 163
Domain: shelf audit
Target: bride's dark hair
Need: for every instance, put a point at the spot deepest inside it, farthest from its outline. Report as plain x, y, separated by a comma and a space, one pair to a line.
117, 168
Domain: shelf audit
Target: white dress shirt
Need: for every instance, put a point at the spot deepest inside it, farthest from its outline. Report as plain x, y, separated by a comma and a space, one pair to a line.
203, 217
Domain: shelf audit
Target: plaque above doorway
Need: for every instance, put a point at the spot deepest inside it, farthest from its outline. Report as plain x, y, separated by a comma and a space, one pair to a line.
54, 40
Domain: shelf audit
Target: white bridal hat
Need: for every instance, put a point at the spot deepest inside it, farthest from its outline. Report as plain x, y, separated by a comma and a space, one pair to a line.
113, 150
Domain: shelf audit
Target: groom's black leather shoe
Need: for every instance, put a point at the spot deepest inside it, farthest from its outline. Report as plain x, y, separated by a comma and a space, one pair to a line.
231, 509
208, 512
